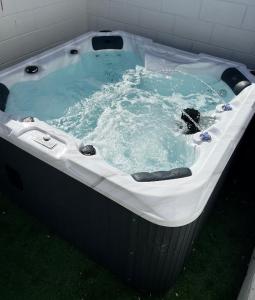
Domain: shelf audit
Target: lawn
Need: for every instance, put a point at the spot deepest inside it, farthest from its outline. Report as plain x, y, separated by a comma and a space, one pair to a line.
36, 264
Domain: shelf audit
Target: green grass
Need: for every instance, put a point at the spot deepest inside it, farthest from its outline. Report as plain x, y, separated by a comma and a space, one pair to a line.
36, 264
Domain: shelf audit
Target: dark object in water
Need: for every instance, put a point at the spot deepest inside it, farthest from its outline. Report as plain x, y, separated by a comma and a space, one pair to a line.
188, 116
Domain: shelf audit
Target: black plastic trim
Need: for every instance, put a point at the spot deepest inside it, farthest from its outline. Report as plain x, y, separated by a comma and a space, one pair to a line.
4, 93
32, 69
74, 51
235, 80
28, 119
107, 42
162, 175
105, 30
88, 150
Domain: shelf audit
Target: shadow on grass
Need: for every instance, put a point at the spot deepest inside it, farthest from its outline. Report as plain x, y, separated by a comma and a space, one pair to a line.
36, 264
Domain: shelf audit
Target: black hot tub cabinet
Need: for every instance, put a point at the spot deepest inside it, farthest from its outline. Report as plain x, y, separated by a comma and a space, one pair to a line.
141, 227
146, 255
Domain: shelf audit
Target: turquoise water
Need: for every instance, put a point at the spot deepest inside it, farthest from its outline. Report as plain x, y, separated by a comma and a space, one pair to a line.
131, 115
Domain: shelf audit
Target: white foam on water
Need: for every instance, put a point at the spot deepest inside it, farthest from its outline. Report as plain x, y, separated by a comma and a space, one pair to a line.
128, 113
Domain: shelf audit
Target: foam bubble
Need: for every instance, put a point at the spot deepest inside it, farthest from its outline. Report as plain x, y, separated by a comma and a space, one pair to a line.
131, 115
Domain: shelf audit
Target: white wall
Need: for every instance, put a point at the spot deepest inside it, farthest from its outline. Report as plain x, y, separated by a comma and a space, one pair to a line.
224, 28
29, 26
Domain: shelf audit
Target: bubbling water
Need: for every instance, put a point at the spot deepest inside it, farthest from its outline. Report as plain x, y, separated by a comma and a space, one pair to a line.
128, 113
134, 124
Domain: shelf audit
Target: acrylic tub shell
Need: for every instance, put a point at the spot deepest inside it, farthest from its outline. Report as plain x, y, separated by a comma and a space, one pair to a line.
157, 220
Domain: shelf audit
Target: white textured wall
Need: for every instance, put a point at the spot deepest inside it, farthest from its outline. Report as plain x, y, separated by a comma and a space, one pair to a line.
29, 26
224, 28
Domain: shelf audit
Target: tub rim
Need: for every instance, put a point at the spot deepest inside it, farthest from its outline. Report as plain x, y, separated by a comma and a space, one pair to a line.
168, 203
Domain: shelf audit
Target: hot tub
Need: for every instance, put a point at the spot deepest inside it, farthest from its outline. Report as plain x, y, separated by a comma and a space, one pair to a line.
119, 144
